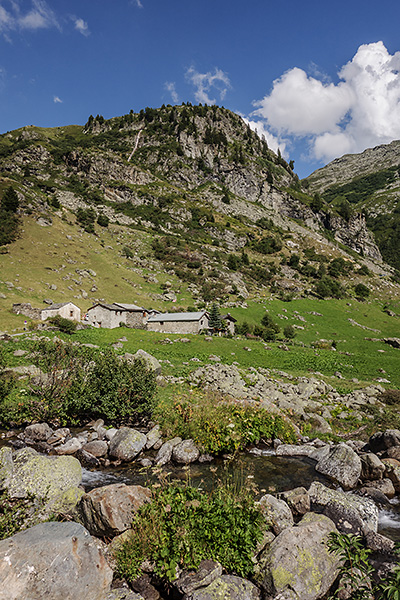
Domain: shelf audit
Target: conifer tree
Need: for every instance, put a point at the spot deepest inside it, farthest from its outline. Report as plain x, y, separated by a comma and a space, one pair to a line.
215, 322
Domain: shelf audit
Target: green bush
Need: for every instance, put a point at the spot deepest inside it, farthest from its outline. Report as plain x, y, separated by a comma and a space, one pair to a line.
83, 384
361, 291
64, 325
183, 526
218, 425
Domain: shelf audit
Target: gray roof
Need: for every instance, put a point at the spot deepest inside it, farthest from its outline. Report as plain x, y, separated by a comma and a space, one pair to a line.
117, 306
178, 316
57, 306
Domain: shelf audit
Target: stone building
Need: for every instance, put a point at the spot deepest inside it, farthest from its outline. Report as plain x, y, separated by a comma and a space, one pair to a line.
67, 310
114, 315
229, 323
26, 309
182, 323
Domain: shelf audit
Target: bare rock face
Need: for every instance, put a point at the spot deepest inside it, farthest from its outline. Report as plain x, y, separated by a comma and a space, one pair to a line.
109, 510
60, 561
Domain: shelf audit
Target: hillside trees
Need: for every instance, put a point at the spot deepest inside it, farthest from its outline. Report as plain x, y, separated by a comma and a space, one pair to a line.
8, 218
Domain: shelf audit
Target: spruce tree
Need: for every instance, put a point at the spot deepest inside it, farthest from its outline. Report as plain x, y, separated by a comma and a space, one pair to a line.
9, 201
215, 322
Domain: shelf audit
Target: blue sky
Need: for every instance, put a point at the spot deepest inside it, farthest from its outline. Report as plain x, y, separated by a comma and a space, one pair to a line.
317, 79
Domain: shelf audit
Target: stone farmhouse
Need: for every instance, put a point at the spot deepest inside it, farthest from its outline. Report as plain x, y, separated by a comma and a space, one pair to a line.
181, 322
229, 322
67, 310
110, 316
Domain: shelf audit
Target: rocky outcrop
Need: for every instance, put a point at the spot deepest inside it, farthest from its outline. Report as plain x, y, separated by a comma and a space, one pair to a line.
127, 443
342, 465
60, 561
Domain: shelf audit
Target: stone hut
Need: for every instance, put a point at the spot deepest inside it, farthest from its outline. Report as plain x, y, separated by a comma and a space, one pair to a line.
26, 309
67, 310
229, 322
182, 323
113, 315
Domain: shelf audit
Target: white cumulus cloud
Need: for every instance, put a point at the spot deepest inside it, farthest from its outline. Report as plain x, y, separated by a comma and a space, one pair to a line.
81, 26
38, 16
206, 84
57, 100
170, 87
360, 111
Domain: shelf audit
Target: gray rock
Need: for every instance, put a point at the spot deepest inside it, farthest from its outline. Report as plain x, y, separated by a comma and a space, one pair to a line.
342, 465
123, 594
384, 485
109, 510
277, 513
226, 587
110, 433
153, 436
43, 476
98, 448
127, 443
38, 432
185, 452
164, 454
384, 440
59, 435
58, 561
87, 460
351, 511
206, 573
70, 447
150, 361
298, 500
298, 558
372, 466
6, 466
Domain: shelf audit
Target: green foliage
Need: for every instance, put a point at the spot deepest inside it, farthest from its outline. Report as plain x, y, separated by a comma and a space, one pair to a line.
362, 188
218, 425
289, 332
339, 266
390, 397
183, 526
103, 220
86, 217
127, 252
267, 245
64, 325
215, 323
329, 288
268, 322
361, 291
9, 201
82, 384
9, 227
355, 569
6, 381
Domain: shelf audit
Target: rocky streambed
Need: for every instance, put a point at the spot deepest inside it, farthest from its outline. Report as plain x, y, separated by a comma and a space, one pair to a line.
97, 478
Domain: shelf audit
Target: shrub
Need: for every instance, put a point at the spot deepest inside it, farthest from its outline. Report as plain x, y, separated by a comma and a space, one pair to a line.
9, 201
218, 425
361, 291
289, 332
183, 526
103, 220
6, 382
64, 325
390, 397
82, 384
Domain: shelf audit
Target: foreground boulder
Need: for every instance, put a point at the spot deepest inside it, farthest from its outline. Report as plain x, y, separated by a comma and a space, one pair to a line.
351, 513
109, 510
342, 465
277, 513
226, 587
127, 443
298, 560
185, 452
59, 561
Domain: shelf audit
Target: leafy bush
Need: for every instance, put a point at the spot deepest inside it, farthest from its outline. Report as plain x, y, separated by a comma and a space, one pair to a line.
218, 425
183, 526
289, 332
328, 287
361, 291
9, 227
64, 325
82, 384
103, 220
9, 201
6, 382
390, 397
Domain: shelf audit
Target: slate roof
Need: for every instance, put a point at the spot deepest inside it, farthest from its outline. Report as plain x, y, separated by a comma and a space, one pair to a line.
117, 306
178, 316
57, 306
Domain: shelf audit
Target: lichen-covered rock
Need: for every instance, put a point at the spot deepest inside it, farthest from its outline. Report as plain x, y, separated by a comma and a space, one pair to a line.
277, 513
342, 465
43, 476
60, 561
226, 587
123, 594
384, 485
298, 500
298, 559
98, 448
164, 454
153, 436
127, 443
351, 513
185, 452
150, 361
206, 573
6, 466
109, 510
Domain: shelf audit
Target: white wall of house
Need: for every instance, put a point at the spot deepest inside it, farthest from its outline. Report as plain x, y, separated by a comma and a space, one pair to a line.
100, 316
68, 311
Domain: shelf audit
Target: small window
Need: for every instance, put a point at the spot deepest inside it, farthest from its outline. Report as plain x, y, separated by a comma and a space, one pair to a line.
71, 313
